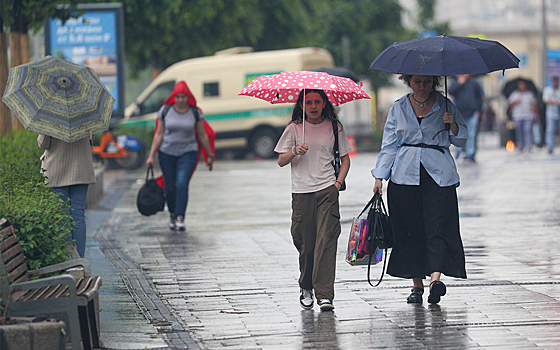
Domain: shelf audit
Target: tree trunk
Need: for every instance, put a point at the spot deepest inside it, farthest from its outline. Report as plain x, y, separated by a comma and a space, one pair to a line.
25, 48
156, 66
17, 58
5, 114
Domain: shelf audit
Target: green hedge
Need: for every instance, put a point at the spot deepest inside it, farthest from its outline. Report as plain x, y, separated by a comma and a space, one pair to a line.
35, 211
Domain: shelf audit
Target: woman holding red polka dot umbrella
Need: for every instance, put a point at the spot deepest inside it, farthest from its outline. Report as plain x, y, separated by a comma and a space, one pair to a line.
315, 181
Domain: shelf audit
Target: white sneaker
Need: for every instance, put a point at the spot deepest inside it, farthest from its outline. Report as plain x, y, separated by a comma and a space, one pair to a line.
326, 305
180, 224
306, 299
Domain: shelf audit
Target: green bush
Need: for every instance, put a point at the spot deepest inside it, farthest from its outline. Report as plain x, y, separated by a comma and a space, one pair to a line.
37, 214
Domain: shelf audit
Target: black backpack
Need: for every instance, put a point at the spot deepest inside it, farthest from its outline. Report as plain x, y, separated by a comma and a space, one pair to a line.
196, 112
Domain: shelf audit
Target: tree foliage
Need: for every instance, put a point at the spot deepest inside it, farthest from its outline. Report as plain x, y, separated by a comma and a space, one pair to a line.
159, 34
369, 27
24, 15
426, 18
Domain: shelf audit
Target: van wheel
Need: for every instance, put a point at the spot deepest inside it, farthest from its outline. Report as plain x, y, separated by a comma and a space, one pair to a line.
263, 143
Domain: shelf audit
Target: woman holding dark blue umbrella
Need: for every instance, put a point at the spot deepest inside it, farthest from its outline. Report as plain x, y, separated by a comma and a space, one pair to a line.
421, 194
415, 155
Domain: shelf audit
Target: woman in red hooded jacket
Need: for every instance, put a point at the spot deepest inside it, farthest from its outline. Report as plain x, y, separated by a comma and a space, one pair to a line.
178, 120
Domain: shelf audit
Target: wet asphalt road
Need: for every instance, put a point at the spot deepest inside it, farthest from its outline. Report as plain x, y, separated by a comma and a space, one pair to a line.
230, 281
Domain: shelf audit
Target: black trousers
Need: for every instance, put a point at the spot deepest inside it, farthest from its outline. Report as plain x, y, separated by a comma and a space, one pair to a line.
425, 221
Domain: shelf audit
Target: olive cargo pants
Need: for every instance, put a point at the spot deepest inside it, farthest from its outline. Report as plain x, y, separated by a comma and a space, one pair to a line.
315, 230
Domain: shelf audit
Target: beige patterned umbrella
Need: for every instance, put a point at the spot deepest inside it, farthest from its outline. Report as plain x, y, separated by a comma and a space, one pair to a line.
58, 98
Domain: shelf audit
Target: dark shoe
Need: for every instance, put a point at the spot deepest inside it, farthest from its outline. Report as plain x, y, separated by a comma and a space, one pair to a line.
306, 299
172, 225
325, 305
416, 296
437, 290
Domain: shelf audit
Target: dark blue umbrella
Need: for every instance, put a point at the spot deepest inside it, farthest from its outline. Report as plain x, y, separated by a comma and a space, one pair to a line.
445, 55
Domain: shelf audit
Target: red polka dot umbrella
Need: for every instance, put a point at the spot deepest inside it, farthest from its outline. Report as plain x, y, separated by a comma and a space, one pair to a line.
286, 87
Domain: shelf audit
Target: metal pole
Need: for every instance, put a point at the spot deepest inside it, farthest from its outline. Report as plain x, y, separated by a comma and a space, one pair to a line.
544, 37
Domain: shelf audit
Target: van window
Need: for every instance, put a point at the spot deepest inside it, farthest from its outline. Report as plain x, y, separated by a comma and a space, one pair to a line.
211, 89
155, 100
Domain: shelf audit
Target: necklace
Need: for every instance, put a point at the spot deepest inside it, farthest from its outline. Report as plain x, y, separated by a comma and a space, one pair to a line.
421, 103
420, 109
421, 114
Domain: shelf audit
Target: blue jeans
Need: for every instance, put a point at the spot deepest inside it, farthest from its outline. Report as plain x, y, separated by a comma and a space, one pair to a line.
77, 195
470, 146
523, 133
177, 172
552, 128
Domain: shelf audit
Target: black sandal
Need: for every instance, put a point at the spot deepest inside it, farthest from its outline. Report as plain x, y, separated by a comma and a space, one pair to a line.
416, 296
437, 290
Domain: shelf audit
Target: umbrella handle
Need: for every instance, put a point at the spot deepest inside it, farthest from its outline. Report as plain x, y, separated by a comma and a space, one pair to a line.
447, 125
303, 116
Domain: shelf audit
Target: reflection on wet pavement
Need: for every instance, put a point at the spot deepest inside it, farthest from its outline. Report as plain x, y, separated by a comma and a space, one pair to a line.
231, 279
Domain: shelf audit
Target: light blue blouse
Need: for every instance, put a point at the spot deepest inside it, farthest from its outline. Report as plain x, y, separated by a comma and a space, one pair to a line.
402, 163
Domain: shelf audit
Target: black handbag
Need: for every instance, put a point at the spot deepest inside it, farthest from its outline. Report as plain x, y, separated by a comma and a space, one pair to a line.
380, 231
380, 224
150, 198
336, 161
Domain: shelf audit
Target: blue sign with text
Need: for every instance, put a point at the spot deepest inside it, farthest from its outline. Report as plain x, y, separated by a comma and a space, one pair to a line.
90, 40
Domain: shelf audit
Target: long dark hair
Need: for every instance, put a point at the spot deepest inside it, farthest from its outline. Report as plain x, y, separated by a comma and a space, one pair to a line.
328, 112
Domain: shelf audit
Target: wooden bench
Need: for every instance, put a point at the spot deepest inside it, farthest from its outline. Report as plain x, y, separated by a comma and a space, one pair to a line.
48, 296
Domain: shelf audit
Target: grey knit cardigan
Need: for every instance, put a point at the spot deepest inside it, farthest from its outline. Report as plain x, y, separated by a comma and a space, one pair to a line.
66, 163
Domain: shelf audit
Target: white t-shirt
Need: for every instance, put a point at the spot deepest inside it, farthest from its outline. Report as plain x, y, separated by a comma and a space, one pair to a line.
313, 171
524, 109
550, 94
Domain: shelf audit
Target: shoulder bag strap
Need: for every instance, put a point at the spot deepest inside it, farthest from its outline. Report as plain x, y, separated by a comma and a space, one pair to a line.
377, 204
164, 112
196, 114
335, 149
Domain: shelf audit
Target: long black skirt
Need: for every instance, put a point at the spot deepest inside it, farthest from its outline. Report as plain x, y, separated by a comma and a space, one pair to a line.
425, 222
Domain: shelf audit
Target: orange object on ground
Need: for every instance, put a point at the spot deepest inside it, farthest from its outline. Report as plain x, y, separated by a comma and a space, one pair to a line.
352, 141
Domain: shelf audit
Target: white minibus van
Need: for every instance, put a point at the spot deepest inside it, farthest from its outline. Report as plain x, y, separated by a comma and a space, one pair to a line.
241, 122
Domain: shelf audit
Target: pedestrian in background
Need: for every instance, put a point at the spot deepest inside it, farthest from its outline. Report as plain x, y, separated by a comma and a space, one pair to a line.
551, 96
468, 97
178, 148
421, 194
524, 111
315, 191
68, 167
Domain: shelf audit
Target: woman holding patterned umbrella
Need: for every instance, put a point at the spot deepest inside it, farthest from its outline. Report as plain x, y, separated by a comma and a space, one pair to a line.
68, 167
421, 194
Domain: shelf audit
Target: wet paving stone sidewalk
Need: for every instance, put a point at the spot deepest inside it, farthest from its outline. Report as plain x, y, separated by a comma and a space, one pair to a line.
230, 280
